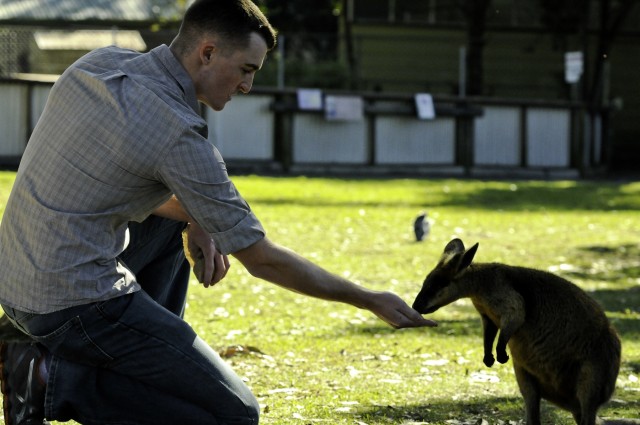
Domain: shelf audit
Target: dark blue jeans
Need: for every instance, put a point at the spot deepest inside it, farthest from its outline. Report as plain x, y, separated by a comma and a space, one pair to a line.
132, 359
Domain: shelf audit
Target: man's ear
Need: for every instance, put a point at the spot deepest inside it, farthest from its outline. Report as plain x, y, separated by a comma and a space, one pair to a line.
207, 50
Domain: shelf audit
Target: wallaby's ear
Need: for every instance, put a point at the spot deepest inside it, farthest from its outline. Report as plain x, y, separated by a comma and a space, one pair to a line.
454, 247
467, 258
451, 256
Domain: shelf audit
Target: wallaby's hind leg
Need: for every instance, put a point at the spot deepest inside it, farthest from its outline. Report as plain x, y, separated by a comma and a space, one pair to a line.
592, 390
489, 334
530, 393
583, 420
587, 418
588, 415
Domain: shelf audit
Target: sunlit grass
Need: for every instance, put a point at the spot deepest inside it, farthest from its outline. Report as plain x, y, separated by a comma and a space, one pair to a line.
311, 361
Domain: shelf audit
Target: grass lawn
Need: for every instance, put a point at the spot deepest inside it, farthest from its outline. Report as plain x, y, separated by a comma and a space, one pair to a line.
310, 361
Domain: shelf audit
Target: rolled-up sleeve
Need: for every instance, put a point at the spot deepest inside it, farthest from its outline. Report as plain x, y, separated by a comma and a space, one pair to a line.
196, 173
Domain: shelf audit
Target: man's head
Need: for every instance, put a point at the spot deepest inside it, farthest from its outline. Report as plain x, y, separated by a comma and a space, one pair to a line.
221, 44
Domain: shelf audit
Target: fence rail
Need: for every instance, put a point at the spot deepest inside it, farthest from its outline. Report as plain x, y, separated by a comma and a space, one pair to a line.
469, 136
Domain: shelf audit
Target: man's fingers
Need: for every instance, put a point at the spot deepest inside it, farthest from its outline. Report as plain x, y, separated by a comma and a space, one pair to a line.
226, 266
208, 272
199, 269
416, 319
214, 270
393, 310
407, 319
220, 269
421, 322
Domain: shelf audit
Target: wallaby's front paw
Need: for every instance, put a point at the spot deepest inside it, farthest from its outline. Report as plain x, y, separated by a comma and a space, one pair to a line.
488, 360
502, 357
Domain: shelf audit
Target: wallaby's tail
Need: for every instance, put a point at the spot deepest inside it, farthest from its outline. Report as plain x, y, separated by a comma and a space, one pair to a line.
621, 421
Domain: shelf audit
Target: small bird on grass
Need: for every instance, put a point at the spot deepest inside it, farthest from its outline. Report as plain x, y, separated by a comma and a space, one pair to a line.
421, 227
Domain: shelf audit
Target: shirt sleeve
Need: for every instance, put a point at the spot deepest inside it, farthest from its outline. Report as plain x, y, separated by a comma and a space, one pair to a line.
196, 173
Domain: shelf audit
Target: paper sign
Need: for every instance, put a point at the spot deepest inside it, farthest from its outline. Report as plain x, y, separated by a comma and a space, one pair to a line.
344, 108
573, 66
310, 99
424, 106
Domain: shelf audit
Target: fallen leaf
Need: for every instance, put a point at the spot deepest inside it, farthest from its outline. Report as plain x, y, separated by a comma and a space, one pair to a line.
283, 390
235, 350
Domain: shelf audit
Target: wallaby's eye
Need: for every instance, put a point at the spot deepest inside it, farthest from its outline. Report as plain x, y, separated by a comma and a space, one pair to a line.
435, 282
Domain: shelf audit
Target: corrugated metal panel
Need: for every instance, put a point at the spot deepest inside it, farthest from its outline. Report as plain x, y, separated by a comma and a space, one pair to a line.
316, 140
548, 137
497, 136
39, 95
402, 140
243, 129
13, 119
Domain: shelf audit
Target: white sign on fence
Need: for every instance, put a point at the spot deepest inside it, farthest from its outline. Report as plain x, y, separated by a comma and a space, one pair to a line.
424, 106
573, 66
309, 99
344, 108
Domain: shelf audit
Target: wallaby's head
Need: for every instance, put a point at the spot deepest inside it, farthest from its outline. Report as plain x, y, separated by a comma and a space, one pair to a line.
438, 288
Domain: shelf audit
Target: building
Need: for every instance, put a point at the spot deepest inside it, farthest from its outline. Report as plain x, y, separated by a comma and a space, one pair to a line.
420, 45
393, 47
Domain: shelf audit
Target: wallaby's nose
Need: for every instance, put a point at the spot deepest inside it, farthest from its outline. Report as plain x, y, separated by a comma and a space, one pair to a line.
418, 305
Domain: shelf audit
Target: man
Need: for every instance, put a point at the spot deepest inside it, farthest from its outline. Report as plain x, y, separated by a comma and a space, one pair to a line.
91, 252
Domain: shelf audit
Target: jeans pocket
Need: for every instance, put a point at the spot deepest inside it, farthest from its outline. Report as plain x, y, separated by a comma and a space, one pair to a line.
71, 342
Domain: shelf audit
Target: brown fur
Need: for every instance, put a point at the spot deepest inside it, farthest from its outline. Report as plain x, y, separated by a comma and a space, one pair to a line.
563, 348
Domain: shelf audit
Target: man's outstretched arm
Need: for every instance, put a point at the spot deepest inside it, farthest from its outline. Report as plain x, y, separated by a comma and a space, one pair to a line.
271, 262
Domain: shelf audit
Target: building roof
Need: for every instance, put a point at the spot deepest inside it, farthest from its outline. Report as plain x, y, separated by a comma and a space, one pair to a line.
26, 11
88, 39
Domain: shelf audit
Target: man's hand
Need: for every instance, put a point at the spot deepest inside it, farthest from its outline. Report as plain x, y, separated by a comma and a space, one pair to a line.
209, 265
393, 310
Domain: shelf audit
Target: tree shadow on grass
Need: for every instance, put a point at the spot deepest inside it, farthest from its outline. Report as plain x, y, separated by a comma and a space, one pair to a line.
468, 327
611, 263
533, 196
492, 409
615, 265
463, 411
618, 300
519, 196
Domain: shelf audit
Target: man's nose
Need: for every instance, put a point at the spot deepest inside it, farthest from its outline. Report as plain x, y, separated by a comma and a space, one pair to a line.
245, 86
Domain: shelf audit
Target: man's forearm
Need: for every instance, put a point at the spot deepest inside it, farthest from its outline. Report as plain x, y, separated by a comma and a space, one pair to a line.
276, 264
173, 210
281, 266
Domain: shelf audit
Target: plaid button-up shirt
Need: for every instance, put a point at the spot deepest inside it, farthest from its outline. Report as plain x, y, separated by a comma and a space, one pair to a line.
119, 135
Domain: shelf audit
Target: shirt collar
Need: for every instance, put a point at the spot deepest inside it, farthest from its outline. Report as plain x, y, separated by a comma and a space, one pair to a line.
175, 68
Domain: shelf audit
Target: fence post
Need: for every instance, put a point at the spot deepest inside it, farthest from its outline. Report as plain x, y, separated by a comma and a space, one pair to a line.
464, 139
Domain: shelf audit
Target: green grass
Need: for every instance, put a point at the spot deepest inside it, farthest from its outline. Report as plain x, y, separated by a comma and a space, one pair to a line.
313, 361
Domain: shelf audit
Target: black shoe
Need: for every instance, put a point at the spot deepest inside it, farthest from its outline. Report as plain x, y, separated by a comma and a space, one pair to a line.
22, 388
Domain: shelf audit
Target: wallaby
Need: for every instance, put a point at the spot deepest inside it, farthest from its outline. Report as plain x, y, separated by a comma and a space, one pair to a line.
564, 350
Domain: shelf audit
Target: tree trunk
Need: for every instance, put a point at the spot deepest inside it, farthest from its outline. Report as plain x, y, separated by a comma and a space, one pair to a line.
610, 24
475, 12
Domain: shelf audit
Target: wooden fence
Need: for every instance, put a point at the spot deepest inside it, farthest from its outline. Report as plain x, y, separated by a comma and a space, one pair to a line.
268, 131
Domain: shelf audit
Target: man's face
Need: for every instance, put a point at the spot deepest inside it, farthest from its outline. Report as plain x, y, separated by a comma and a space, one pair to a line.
225, 73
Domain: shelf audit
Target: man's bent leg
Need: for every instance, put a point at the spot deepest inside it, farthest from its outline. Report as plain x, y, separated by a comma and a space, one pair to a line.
129, 361
155, 255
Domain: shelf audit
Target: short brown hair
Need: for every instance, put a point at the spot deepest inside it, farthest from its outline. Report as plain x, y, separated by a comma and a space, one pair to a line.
233, 20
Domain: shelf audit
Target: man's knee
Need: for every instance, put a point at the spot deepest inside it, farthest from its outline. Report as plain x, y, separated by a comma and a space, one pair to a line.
247, 414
